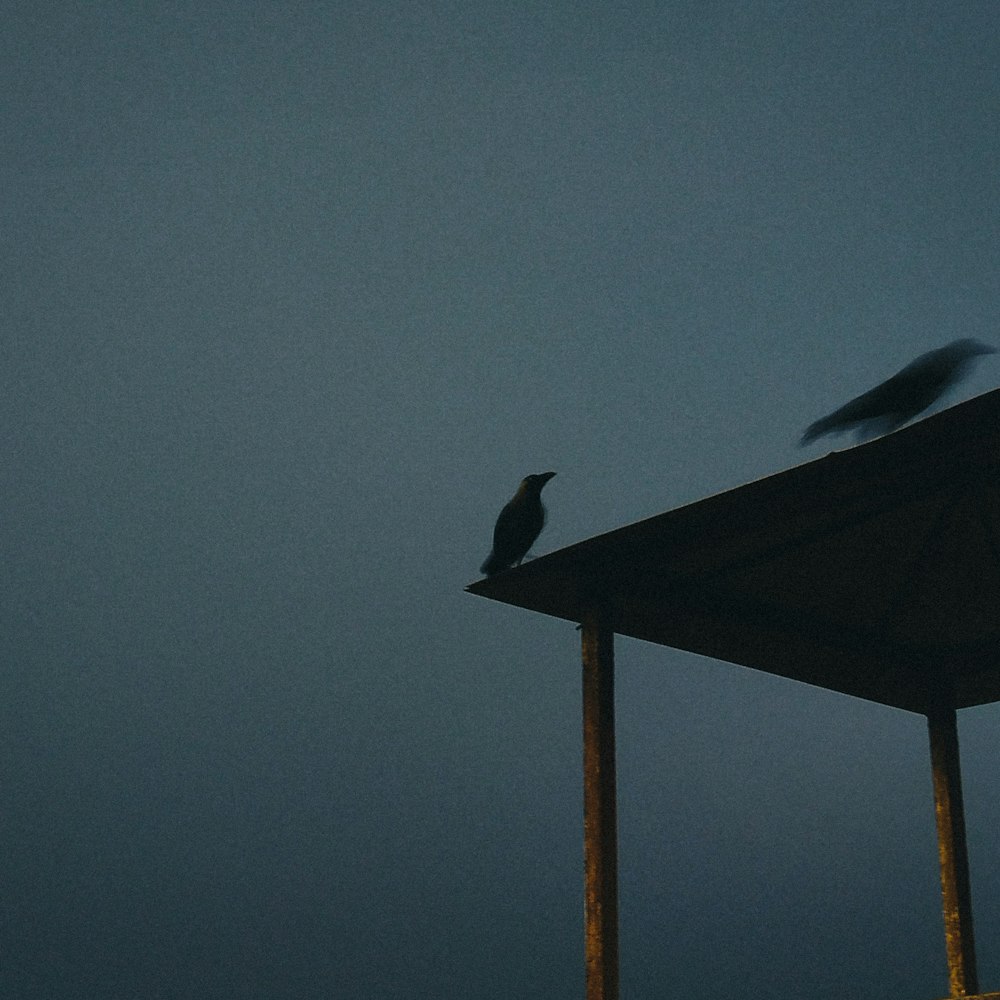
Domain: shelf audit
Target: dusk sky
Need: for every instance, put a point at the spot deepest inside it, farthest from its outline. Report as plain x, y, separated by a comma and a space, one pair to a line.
295, 295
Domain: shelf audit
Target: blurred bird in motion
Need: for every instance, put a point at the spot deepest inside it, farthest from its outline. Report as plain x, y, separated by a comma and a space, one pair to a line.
519, 524
905, 395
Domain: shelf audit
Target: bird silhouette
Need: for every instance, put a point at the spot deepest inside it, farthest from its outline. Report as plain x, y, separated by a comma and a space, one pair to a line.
902, 397
519, 524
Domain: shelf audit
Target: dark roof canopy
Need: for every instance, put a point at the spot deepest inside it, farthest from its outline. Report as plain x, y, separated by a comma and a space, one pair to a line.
874, 571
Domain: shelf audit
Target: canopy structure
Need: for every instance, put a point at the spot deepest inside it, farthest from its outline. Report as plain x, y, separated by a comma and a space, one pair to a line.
873, 571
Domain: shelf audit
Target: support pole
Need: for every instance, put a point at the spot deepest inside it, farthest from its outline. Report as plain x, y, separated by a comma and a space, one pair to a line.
956, 893
600, 829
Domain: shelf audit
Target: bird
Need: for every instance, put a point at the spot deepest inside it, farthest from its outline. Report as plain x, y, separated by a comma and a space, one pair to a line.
519, 524
908, 393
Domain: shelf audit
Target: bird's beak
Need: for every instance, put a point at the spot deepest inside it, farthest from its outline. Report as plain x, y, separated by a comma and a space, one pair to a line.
547, 476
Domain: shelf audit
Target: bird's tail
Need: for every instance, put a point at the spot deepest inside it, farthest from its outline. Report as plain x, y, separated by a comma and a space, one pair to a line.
818, 429
491, 566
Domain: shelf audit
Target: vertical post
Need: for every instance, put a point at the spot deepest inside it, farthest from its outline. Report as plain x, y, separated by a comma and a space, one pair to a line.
955, 889
600, 829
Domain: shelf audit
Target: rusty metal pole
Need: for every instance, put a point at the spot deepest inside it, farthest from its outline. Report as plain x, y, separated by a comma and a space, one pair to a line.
952, 851
600, 827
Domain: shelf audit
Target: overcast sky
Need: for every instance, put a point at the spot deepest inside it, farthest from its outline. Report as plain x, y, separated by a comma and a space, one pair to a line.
294, 296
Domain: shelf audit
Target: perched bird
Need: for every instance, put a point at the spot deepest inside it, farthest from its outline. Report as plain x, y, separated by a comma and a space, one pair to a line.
519, 524
900, 398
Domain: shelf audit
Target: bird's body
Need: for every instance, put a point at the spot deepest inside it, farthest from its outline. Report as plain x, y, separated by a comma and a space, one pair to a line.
519, 524
904, 396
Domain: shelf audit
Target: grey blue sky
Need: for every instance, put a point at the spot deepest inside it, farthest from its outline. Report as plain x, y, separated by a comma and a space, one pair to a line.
294, 296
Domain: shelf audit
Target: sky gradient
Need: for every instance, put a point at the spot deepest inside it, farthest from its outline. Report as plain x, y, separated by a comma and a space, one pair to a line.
294, 298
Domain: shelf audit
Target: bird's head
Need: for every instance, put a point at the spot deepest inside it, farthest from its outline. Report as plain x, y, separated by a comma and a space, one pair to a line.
960, 356
535, 482
970, 348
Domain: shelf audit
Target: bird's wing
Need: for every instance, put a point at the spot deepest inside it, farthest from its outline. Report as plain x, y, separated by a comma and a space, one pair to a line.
887, 406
